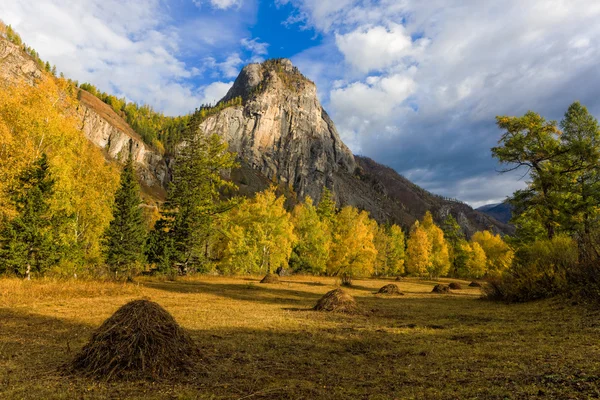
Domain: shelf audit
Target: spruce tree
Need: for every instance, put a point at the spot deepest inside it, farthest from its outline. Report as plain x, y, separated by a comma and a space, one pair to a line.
26, 243
126, 235
327, 207
193, 200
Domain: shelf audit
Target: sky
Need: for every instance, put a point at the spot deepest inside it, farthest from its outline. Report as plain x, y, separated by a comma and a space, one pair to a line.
414, 85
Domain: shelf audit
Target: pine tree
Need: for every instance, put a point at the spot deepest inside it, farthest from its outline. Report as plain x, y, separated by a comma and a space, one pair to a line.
26, 243
326, 208
194, 197
126, 234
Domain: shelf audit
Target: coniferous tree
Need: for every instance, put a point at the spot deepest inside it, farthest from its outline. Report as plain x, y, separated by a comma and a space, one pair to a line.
194, 198
26, 243
326, 209
126, 234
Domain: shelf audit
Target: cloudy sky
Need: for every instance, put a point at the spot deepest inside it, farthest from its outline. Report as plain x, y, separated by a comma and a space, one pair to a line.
412, 84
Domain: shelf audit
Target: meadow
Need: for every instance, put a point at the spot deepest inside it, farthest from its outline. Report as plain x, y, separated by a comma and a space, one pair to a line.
263, 341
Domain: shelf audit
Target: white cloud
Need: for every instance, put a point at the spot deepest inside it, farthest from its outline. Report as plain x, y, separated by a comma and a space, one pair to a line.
377, 47
253, 45
214, 92
220, 4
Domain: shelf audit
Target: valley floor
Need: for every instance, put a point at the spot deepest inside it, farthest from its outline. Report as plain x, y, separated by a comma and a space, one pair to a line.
262, 341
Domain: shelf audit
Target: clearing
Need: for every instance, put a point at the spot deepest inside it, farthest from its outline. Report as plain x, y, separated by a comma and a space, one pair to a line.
263, 341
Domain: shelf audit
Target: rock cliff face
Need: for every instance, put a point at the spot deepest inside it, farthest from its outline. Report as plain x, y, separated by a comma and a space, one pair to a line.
100, 124
281, 129
16, 65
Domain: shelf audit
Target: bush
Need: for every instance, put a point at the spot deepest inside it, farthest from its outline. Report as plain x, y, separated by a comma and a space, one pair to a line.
540, 270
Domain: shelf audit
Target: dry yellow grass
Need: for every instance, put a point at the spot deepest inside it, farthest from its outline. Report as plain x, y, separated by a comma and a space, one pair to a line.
261, 341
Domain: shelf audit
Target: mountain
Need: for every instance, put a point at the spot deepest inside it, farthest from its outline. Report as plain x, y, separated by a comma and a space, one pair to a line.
501, 211
99, 122
281, 133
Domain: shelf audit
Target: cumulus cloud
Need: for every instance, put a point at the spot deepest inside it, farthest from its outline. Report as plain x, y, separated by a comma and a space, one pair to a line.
215, 91
424, 80
378, 47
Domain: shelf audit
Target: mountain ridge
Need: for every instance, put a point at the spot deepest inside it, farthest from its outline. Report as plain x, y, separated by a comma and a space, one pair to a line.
281, 133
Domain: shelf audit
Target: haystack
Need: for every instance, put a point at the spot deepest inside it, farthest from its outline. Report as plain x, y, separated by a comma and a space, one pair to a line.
475, 284
139, 341
390, 289
338, 301
270, 278
440, 289
455, 286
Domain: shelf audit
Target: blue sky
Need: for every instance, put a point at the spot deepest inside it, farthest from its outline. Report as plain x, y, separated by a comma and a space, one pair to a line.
414, 85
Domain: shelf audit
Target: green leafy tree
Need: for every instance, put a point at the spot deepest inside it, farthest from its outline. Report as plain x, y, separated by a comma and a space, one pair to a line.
26, 241
126, 233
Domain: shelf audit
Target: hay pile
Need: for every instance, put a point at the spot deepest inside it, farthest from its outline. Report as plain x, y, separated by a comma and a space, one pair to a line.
475, 284
455, 286
390, 289
270, 278
139, 341
337, 301
440, 289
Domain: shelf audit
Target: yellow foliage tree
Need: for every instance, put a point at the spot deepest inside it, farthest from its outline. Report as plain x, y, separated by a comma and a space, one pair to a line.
314, 239
389, 242
499, 254
418, 251
476, 260
352, 252
439, 264
259, 235
41, 119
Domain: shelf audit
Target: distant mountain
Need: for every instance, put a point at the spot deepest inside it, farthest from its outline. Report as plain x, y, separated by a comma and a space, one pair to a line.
501, 211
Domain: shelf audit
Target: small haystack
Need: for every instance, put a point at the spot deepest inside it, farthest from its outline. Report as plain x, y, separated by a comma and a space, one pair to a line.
270, 278
441, 289
390, 289
338, 301
139, 341
475, 284
455, 286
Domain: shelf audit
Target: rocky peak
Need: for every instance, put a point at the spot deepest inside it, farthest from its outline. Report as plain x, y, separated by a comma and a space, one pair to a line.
281, 129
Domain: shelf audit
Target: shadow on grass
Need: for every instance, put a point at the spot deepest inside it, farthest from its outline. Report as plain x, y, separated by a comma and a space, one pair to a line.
349, 359
250, 292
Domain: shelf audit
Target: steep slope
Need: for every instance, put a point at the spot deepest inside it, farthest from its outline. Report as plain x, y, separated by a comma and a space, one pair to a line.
500, 211
282, 132
99, 122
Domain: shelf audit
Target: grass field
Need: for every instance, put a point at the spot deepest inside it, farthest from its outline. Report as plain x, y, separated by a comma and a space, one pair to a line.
263, 342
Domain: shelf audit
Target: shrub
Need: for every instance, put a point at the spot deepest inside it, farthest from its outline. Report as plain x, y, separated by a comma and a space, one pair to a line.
540, 270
